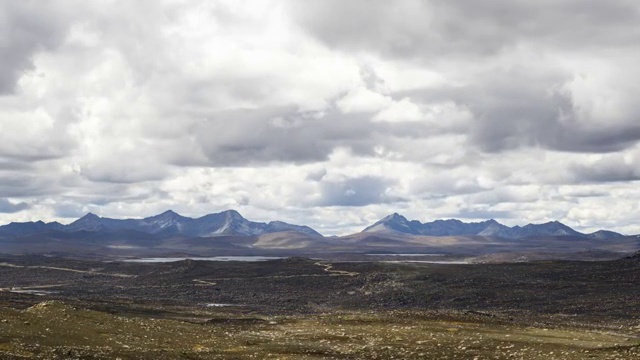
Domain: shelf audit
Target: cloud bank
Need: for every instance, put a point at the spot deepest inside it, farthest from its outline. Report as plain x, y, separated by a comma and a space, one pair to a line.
322, 112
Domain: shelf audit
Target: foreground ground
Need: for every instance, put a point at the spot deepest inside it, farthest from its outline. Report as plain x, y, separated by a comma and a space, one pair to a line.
306, 309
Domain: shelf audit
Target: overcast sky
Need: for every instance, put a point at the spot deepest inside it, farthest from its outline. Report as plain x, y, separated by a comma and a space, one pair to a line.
328, 113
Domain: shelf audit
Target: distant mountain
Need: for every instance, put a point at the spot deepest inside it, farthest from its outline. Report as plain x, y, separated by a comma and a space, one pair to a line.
399, 223
22, 228
168, 223
453, 227
171, 234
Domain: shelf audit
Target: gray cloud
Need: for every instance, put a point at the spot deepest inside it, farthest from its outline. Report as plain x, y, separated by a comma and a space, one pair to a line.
26, 184
514, 104
431, 30
70, 210
359, 191
27, 27
520, 109
459, 108
8, 207
609, 170
482, 213
12, 164
252, 137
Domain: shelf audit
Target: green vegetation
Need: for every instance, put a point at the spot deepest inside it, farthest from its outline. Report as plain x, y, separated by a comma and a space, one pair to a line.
55, 330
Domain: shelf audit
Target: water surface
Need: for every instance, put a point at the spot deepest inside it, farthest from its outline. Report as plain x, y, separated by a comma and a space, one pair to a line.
212, 258
408, 255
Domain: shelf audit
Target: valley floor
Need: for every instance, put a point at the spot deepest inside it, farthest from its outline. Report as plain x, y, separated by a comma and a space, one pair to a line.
52, 308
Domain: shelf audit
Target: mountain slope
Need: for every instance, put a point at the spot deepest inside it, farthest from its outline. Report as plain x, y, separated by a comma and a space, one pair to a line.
22, 228
228, 222
453, 227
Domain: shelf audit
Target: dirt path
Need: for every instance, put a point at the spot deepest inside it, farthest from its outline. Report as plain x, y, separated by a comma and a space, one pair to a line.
203, 282
67, 269
329, 268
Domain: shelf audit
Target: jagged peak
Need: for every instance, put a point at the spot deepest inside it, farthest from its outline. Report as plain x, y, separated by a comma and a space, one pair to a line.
556, 222
169, 214
395, 217
232, 214
89, 216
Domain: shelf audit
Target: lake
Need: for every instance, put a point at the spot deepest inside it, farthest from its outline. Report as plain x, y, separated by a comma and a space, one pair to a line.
212, 258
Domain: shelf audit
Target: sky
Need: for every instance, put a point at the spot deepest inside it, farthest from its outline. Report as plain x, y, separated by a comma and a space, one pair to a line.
327, 113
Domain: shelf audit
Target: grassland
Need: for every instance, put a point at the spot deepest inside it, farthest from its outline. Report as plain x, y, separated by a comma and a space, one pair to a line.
54, 330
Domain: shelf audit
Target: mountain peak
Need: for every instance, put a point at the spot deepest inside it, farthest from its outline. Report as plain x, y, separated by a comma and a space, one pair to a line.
393, 222
169, 214
88, 218
232, 215
605, 235
455, 227
90, 215
168, 223
394, 217
89, 222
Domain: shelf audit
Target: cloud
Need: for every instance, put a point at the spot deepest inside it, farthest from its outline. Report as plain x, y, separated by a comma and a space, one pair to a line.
435, 29
362, 99
27, 28
8, 207
610, 168
327, 112
568, 99
359, 191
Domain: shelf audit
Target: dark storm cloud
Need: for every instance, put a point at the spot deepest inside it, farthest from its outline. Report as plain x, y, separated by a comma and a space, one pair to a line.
359, 191
8, 207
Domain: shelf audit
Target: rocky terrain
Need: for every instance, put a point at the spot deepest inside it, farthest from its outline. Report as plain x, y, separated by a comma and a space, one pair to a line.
57, 308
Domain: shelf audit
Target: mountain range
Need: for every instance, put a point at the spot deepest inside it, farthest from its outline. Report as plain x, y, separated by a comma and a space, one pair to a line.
228, 222
228, 233
490, 228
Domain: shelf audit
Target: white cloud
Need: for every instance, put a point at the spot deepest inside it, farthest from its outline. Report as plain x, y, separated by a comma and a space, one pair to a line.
280, 108
399, 111
362, 99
